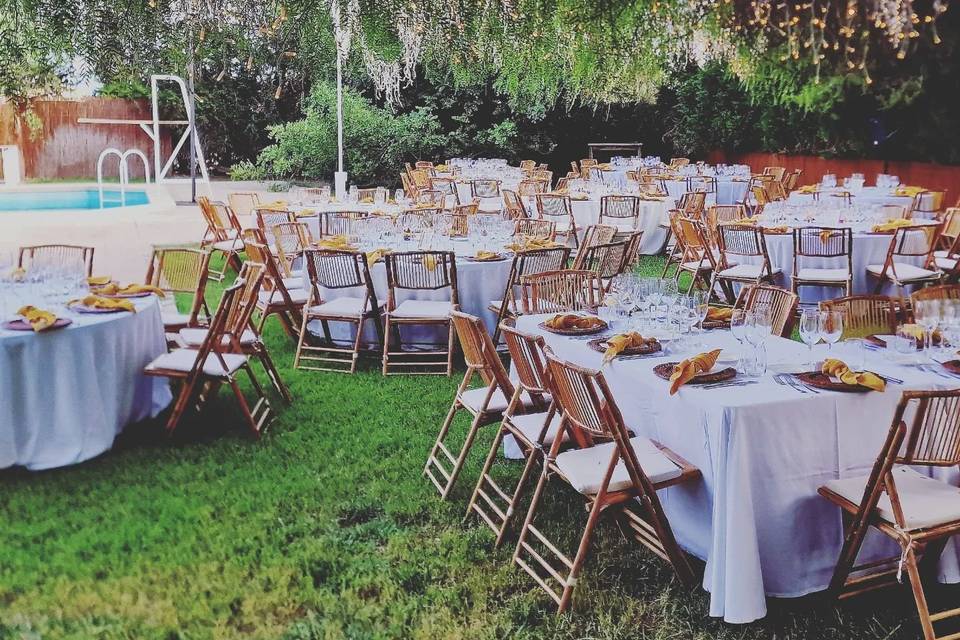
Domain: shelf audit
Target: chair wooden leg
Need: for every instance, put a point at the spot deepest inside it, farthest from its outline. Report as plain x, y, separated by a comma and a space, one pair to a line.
386, 343
267, 363
356, 346
571, 581
475, 425
183, 401
450, 335
916, 585
534, 457
303, 336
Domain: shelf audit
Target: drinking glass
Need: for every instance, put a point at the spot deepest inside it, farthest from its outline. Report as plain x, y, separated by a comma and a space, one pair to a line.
904, 342
738, 327
810, 331
927, 314
831, 327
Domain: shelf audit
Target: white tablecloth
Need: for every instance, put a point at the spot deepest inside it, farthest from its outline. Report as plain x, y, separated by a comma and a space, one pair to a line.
764, 450
653, 220
67, 393
866, 195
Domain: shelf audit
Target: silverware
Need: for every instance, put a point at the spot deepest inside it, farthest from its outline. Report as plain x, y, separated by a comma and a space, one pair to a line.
728, 383
788, 380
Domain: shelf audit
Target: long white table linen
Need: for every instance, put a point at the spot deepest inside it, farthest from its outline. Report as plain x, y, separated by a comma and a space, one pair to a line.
764, 450
66, 394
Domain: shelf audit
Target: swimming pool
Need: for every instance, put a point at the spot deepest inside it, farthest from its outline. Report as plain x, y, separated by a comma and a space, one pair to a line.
72, 199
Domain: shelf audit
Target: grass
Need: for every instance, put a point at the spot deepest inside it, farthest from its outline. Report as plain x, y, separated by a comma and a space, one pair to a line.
326, 529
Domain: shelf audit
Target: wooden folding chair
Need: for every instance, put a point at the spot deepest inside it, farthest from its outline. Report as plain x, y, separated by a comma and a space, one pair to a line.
248, 342
698, 258
428, 272
937, 292
268, 218
928, 202
513, 205
222, 235
692, 203
338, 223
823, 244
736, 241
59, 254
782, 304
486, 404
560, 291
866, 315
180, 271
448, 188
615, 474
605, 260
915, 511
632, 259
217, 361
705, 184
719, 214
593, 235
484, 188
290, 240
530, 188
525, 263
336, 271
908, 243
535, 229
243, 203
276, 298
533, 428
558, 207
622, 212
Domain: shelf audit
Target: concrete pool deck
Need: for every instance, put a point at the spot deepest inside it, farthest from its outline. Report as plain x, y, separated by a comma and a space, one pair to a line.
123, 238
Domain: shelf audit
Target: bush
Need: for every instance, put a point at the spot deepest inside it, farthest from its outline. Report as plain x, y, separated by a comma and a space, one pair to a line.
376, 142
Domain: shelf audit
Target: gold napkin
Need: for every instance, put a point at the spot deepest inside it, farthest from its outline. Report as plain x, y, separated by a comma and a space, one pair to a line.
339, 242
39, 319
486, 255
305, 213
430, 262
99, 281
527, 244
440, 167
825, 236
719, 314
579, 196
114, 289
839, 369
685, 371
808, 188
892, 225
565, 321
374, 256
617, 344
276, 205
908, 191
96, 302
778, 230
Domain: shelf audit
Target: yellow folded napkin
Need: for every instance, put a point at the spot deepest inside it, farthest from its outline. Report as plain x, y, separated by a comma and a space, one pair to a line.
808, 188
39, 319
114, 289
99, 281
687, 370
908, 191
96, 302
376, 255
825, 236
719, 314
305, 213
604, 166
778, 230
579, 196
276, 205
430, 262
566, 321
892, 225
920, 333
339, 242
440, 167
839, 369
617, 344
529, 244
742, 222
485, 255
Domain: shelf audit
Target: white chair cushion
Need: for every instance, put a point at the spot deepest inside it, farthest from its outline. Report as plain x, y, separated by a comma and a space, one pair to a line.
473, 398
297, 296
585, 468
942, 253
431, 309
530, 424
946, 263
183, 359
905, 272
345, 306
926, 502
293, 282
195, 337
511, 305
745, 271
694, 265
228, 245
828, 275
173, 319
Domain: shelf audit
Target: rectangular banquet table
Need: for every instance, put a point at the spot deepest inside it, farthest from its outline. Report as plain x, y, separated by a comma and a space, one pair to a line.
764, 449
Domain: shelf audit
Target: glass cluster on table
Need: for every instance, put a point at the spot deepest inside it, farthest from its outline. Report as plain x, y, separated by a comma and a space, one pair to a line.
48, 283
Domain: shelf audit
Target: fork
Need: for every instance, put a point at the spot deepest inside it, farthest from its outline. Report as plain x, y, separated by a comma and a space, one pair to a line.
786, 380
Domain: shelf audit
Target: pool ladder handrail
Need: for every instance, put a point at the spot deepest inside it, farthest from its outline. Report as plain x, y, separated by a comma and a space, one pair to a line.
123, 169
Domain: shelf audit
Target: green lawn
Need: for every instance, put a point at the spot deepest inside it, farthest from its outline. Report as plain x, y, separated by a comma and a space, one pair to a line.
326, 529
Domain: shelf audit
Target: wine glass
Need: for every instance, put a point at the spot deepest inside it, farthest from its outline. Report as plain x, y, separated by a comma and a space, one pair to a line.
810, 331
927, 315
738, 327
831, 327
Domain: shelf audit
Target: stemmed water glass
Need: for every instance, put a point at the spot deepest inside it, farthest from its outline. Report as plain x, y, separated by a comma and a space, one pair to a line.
810, 331
831, 327
738, 327
927, 314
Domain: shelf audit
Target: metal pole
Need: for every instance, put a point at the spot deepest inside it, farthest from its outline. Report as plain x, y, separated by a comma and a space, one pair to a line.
192, 106
339, 113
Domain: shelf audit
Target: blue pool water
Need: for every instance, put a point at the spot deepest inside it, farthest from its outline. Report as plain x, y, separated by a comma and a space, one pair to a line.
74, 199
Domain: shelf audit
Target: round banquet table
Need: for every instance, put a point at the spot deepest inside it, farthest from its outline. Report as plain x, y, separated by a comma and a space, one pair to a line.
865, 195
868, 248
478, 284
65, 394
654, 220
730, 189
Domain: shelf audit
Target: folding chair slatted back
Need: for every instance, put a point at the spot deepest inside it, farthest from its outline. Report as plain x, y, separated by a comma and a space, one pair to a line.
422, 271
605, 260
479, 352
619, 207
782, 303
532, 187
939, 292
290, 240
552, 205
267, 219
559, 291
865, 315
243, 203
485, 188
526, 353
59, 254
823, 242
535, 228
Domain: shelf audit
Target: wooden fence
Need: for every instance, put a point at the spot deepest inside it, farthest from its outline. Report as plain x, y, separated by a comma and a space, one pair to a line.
936, 177
64, 149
